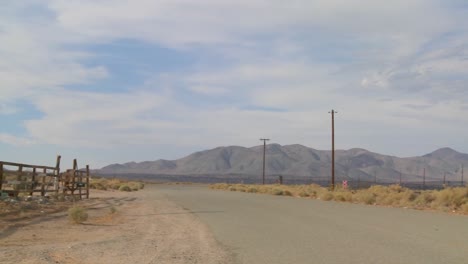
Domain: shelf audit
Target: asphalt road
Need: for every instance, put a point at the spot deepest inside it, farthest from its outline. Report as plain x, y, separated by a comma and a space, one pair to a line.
260, 229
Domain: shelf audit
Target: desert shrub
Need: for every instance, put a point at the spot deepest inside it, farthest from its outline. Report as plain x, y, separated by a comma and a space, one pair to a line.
397, 188
365, 197
378, 190
241, 188
313, 194
315, 186
264, 189
394, 195
115, 184
424, 199
326, 196
77, 214
343, 196
220, 186
397, 197
452, 197
125, 188
277, 191
252, 190
99, 184
339, 197
464, 208
135, 186
112, 210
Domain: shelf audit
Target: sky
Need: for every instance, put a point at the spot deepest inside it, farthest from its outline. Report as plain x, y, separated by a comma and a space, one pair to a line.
113, 81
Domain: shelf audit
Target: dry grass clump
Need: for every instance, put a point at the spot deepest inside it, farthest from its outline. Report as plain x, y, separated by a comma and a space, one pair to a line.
464, 208
98, 184
77, 214
364, 197
326, 196
252, 190
312, 190
115, 184
393, 195
277, 191
448, 199
451, 199
112, 210
343, 196
125, 188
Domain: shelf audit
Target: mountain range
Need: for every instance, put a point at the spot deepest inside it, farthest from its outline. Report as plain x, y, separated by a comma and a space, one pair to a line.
301, 161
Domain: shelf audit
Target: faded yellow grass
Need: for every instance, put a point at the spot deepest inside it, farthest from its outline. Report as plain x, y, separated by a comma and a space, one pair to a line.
115, 184
448, 199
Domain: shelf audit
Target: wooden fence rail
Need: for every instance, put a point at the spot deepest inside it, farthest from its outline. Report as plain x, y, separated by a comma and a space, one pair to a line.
27, 178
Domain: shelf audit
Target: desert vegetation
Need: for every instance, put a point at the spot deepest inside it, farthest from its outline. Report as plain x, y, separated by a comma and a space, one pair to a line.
115, 184
77, 214
448, 199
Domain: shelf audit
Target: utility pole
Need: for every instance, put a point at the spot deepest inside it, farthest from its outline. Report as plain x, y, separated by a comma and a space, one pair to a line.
400, 177
333, 112
264, 151
445, 174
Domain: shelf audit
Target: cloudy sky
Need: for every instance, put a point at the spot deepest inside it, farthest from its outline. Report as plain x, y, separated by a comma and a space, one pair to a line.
109, 81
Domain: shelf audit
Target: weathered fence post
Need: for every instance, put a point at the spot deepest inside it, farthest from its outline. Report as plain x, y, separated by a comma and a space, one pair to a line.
33, 185
87, 181
57, 175
20, 173
43, 182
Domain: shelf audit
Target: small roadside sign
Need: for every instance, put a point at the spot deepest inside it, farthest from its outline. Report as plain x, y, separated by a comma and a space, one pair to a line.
345, 184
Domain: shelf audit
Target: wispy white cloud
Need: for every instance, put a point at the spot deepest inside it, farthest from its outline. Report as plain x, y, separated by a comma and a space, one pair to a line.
382, 65
34, 59
7, 109
15, 140
96, 119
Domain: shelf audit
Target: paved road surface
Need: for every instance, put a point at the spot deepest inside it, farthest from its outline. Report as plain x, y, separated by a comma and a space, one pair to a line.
272, 229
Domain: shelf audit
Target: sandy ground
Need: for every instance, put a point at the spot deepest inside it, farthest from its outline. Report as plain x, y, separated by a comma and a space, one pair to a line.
146, 228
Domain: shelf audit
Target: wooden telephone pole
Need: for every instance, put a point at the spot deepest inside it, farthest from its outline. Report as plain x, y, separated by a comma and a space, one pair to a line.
264, 151
333, 112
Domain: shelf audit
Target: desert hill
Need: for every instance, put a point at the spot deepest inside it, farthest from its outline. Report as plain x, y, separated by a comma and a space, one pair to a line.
301, 161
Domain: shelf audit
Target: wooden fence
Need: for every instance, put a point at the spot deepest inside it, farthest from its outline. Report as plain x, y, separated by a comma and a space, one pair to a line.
18, 178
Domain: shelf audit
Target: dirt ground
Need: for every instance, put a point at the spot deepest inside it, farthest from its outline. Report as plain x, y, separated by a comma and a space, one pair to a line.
146, 227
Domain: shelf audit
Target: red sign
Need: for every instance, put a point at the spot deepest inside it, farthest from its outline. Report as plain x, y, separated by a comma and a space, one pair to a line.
345, 184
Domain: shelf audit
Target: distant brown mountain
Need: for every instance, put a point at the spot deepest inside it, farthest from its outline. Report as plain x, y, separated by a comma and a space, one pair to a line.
300, 161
